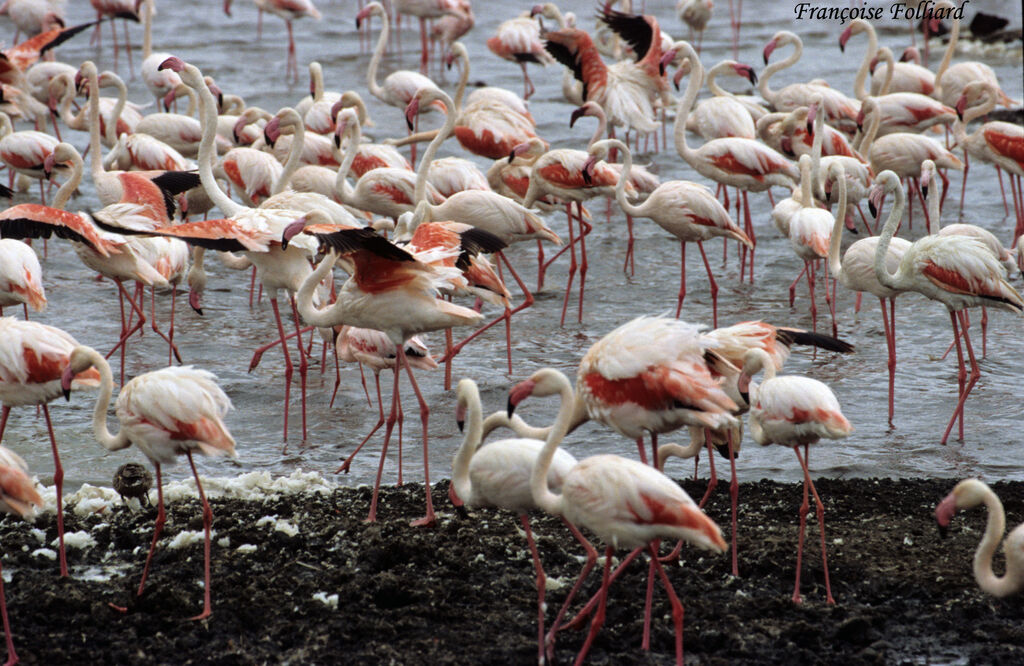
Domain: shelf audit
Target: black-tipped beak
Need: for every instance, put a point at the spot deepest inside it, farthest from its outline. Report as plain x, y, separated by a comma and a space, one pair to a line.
587, 177
357, 23
943, 530
67, 394
753, 77
575, 116
511, 408
872, 209
511, 156
461, 424
924, 191
723, 450
746, 396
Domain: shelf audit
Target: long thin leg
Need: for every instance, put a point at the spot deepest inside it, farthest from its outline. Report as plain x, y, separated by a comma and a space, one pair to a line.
292, 68
541, 578
207, 522
890, 343
392, 417
598, 620
158, 526
713, 482
804, 507
682, 278
58, 482
572, 263
591, 560
965, 390
303, 365
711, 281
380, 407
581, 617
677, 606
429, 520
288, 368
961, 377
12, 656
734, 496
820, 511
584, 230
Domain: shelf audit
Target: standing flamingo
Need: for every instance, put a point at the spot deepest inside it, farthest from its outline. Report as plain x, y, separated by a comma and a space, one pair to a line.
112, 9
695, 14
24, 152
856, 272
159, 82
165, 413
791, 410
18, 496
957, 271
519, 40
21, 276
970, 493
686, 210
32, 358
498, 475
423, 10
391, 292
624, 502
288, 10
950, 81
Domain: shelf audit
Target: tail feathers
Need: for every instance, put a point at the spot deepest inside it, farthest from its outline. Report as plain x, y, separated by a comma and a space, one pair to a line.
792, 336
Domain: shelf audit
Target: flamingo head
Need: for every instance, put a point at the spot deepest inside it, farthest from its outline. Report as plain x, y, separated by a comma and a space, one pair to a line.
194, 301
411, 111
80, 82
292, 230
666, 59
272, 131
365, 12
812, 111
845, 37
910, 54
746, 71
927, 174
537, 10
216, 92
240, 125
173, 63
343, 119
860, 118
78, 362
227, 7
588, 109
518, 150
48, 165
768, 48
887, 180
169, 99
961, 106
542, 383
682, 71
786, 144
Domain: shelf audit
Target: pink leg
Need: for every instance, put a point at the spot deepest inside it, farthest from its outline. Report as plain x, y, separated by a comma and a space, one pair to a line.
677, 606
380, 407
890, 342
975, 374
713, 482
58, 482
392, 417
584, 230
292, 68
598, 620
303, 365
820, 511
12, 656
5, 412
984, 331
528, 88
288, 367
640, 448
792, 286
749, 229
711, 281
734, 496
629, 248
682, 278
572, 263
810, 288
423, 46
428, 520
577, 622
207, 521
963, 183
591, 560
804, 508
541, 578
158, 526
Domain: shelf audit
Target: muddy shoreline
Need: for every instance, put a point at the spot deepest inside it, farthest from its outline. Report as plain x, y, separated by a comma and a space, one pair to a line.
463, 592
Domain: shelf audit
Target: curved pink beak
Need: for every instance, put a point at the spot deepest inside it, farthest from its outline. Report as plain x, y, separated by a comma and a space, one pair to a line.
768, 48
174, 63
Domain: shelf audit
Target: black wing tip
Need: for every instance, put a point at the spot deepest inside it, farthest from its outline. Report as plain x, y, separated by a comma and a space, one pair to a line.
476, 240
790, 336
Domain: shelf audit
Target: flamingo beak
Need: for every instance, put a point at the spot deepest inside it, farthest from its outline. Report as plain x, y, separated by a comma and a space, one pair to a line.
291, 231
961, 106
519, 392
576, 115
174, 63
193, 301
944, 513
272, 131
168, 100
666, 60
811, 113
66, 378
680, 73
768, 48
411, 111
588, 170
845, 37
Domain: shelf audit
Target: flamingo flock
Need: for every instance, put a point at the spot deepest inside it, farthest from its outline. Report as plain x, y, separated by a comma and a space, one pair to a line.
425, 246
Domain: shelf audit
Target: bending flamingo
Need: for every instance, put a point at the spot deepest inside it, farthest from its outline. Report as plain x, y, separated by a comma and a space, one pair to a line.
18, 496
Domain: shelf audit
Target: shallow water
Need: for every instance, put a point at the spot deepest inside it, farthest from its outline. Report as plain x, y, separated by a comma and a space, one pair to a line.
222, 340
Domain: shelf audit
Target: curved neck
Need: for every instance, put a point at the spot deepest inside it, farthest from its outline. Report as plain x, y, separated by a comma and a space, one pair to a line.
378, 52
470, 442
994, 528
324, 317
208, 120
686, 103
972, 114
95, 152
717, 90
806, 198
122, 99
100, 431
933, 198
947, 57
341, 185
891, 222
60, 200
542, 495
762, 85
864, 147
890, 70
835, 265
666, 451
865, 64
620, 187
294, 153
602, 126
191, 111
428, 154
816, 145
460, 91
316, 72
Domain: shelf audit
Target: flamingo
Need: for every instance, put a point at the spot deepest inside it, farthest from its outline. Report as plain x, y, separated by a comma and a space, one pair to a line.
723, 114
18, 496
159, 82
498, 475
997, 142
958, 272
519, 40
24, 152
695, 14
33, 358
907, 75
451, 27
791, 410
624, 502
20, 276
423, 10
368, 155
122, 9
288, 10
320, 120
951, 80
688, 211
970, 493
28, 16
841, 110
855, 168
392, 292
743, 163
165, 413
908, 111
855, 271
375, 349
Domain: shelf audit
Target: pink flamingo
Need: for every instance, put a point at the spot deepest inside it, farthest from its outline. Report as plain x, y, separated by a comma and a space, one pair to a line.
908, 111
34, 356
25, 151
165, 413
809, 232
696, 14
743, 163
498, 475
519, 40
389, 291
624, 502
29, 16
122, 9
792, 410
907, 75
288, 10
968, 494
18, 496
950, 81
21, 276
957, 271
686, 210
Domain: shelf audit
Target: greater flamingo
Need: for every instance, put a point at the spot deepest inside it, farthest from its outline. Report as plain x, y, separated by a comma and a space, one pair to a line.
18, 496
288, 10
21, 276
624, 502
950, 80
159, 82
791, 410
809, 231
498, 475
165, 413
695, 14
968, 494
33, 358
687, 210
957, 271
519, 40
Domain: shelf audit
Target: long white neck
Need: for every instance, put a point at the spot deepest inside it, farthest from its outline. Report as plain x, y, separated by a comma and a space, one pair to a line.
602, 126
686, 103
620, 187
666, 451
351, 140
1011, 581
460, 90
470, 442
95, 151
862, 73
323, 317
762, 85
147, 29
60, 200
806, 197
816, 146
864, 147
717, 90
208, 120
970, 115
316, 72
110, 132
835, 265
294, 152
378, 52
542, 495
947, 57
895, 215
99, 415
934, 196
420, 193
885, 55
